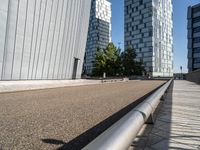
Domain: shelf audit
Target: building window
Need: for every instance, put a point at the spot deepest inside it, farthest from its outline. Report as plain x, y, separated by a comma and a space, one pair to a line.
195, 10
196, 40
196, 60
197, 19
197, 50
195, 30
150, 32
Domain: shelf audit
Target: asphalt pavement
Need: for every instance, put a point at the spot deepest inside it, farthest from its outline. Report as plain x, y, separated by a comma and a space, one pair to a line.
65, 118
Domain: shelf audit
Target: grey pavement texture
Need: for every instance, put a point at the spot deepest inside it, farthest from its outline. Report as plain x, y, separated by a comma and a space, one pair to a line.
13, 86
177, 123
65, 118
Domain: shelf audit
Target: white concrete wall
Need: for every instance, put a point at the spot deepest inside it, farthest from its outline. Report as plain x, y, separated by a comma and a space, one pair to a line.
3, 29
40, 38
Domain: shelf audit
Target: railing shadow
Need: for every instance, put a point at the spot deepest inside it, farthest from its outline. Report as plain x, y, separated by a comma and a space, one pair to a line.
82, 140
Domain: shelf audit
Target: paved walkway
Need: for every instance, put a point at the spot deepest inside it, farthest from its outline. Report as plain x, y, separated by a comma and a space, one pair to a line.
65, 118
13, 86
178, 121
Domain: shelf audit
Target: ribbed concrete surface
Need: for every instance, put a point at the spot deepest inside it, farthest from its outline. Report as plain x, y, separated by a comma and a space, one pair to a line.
49, 119
43, 39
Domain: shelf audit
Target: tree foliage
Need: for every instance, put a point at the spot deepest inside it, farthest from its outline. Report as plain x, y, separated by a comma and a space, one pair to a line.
107, 60
111, 61
129, 63
99, 63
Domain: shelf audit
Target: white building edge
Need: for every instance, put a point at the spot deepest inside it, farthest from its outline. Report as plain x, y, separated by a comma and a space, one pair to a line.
42, 39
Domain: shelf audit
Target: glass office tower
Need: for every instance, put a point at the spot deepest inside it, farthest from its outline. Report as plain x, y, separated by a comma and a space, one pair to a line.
99, 34
193, 38
149, 29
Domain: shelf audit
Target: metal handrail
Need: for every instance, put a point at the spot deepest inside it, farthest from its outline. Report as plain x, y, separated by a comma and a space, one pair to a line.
121, 134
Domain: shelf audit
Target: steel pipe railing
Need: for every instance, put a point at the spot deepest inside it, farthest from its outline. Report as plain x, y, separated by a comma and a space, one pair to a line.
121, 134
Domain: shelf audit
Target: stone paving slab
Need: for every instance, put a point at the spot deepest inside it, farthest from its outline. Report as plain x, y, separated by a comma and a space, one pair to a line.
177, 123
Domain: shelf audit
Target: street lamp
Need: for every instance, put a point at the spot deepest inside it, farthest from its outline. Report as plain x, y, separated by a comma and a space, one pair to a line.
181, 72
119, 45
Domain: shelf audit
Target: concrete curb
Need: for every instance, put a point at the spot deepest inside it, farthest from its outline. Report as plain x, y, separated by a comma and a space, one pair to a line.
20, 86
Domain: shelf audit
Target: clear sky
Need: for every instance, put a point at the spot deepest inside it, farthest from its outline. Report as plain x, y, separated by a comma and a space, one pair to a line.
180, 29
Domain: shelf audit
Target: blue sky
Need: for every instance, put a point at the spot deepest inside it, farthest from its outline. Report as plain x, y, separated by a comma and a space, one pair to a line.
180, 29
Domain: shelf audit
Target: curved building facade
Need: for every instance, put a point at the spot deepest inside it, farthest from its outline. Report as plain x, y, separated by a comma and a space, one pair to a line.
43, 39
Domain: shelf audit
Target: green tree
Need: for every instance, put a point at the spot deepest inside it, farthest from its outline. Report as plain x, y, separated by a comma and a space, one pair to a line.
129, 64
139, 68
113, 60
128, 61
99, 63
107, 60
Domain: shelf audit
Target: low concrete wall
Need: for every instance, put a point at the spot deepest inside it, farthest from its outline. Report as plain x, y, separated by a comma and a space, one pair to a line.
194, 76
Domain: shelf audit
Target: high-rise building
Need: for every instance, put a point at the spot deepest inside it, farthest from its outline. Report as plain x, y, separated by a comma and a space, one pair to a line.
194, 37
99, 34
43, 39
149, 29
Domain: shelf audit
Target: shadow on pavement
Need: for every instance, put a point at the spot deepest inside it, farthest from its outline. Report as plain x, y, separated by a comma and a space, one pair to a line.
82, 140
